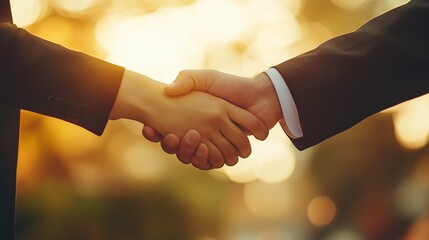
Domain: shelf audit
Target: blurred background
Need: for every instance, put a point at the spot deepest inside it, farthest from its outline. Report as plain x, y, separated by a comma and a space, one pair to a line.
370, 182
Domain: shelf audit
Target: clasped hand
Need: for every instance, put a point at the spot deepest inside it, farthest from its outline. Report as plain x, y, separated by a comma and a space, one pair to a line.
207, 127
257, 96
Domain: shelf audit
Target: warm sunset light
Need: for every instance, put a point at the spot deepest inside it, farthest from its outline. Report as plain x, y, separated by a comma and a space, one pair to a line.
271, 161
28, 13
188, 34
138, 163
74, 5
321, 211
267, 200
348, 4
411, 123
72, 182
172, 45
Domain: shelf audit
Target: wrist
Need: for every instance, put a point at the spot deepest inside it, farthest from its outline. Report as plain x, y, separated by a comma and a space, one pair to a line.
135, 96
267, 92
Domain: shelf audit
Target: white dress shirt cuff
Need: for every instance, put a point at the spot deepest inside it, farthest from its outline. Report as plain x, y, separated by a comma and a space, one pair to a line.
290, 113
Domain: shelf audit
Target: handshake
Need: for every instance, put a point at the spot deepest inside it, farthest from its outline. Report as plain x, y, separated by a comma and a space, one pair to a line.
204, 116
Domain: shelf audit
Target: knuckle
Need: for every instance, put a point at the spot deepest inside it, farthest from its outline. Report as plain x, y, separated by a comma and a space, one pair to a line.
201, 166
245, 151
244, 148
167, 149
232, 161
231, 157
215, 116
255, 125
184, 73
170, 145
186, 146
257, 128
212, 72
184, 158
217, 162
186, 149
196, 160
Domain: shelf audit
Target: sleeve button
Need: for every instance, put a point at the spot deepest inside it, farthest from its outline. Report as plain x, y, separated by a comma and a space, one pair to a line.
82, 109
58, 105
71, 109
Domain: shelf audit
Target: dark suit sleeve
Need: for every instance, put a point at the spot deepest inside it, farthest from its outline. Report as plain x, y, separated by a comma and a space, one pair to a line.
46, 78
353, 76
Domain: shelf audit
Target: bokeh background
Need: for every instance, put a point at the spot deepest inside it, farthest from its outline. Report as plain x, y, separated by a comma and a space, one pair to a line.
370, 182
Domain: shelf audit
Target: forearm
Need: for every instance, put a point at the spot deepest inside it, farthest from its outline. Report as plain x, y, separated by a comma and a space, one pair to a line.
46, 78
356, 75
138, 99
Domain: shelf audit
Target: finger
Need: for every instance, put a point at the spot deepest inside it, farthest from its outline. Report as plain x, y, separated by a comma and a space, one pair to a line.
201, 154
231, 161
248, 121
151, 134
170, 143
188, 146
237, 138
227, 149
189, 80
205, 163
182, 84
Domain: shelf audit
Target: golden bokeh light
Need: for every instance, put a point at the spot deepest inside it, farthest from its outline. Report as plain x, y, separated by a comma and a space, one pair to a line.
191, 33
271, 161
411, 123
105, 30
264, 196
138, 160
275, 160
419, 229
88, 178
411, 197
267, 200
348, 4
383, 6
274, 233
65, 32
321, 211
242, 172
214, 29
73, 5
78, 140
394, 3
345, 234
294, 6
312, 34
27, 12
159, 51
207, 238
269, 40
28, 157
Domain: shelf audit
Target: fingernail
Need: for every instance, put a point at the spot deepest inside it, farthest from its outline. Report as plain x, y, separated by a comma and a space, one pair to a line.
192, 138
200, 152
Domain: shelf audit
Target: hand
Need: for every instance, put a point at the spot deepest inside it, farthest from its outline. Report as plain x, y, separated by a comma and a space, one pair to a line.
218, 121
190, 149
256, 95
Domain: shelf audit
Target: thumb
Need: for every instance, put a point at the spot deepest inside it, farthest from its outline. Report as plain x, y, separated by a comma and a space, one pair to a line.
183, 84
151, 134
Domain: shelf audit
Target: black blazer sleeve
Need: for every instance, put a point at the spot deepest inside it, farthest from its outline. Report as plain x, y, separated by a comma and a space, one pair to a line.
46, 78
355, 75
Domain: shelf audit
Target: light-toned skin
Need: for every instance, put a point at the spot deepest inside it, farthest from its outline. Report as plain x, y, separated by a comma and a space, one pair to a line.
218, 122
257, 95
